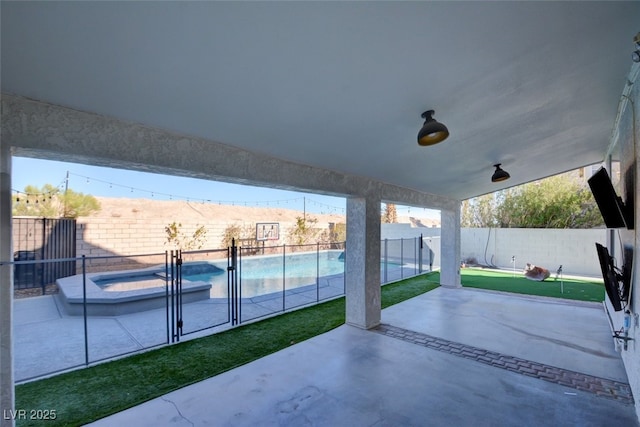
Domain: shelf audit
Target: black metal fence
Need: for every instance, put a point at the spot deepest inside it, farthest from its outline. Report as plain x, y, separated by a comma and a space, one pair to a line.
105, 311
40, 239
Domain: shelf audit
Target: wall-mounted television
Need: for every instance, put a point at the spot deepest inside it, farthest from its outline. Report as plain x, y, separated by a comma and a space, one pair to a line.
617, 282
611, 206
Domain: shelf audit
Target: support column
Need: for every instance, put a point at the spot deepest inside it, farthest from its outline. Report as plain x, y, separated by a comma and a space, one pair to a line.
450, 248
362, 286
7, 397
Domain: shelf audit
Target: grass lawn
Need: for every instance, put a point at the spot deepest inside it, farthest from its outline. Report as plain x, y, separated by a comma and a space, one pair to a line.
583, 290
89, 394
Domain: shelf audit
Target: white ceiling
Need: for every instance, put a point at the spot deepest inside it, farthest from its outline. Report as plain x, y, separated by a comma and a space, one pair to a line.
341, 85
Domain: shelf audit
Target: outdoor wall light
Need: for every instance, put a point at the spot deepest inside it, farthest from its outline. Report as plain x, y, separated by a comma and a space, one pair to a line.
636, 54
499, 174
432, 131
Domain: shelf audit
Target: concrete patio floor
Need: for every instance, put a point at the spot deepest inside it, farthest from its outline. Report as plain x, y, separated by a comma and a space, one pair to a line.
450, 357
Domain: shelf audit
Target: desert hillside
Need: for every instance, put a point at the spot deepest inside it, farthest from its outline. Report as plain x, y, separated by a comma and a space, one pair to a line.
180, 210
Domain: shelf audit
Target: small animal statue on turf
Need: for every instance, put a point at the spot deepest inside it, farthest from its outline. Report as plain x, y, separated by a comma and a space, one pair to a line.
538, 274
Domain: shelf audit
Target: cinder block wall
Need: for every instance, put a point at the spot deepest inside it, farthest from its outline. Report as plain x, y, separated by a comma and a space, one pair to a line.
411, 235
549, 248
98, 236
573, 249
406, 231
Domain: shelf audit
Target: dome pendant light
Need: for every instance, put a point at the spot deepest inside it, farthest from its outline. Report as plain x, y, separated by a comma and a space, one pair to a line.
499, 174
432, 131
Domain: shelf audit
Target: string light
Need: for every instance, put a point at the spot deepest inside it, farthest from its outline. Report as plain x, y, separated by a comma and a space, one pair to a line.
322, 207
37, 197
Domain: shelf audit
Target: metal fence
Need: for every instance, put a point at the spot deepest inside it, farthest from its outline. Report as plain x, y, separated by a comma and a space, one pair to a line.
103, 311
42, 239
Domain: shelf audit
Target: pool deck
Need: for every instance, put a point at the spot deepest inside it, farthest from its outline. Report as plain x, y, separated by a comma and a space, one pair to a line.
48, 339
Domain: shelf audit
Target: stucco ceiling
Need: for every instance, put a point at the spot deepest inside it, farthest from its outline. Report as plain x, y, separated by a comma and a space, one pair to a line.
341, 85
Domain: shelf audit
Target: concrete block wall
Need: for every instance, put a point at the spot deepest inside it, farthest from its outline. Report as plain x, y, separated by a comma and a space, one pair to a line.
396, 248
549, 248
572, 248
108, 236
397, 231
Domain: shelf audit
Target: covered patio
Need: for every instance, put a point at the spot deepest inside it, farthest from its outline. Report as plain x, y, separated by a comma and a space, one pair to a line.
448, 357
326, 97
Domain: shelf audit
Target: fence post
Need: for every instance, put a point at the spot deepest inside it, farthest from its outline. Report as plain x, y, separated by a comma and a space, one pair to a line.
284, 275
238, 283
386, 279
317, 271
420, 254
166, 290
42, 267
344, 270
84, 309
402, 257
173, 301
415, 255
232, 282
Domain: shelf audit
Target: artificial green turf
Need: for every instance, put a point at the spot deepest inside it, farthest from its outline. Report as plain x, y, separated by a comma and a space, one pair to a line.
394, 293
583, 290
89, 394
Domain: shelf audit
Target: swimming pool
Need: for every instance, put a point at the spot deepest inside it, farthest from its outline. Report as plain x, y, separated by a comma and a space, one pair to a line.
269, 274
112, 293
257, 275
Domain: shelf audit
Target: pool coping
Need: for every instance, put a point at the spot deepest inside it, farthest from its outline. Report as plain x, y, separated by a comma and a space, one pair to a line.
114, 303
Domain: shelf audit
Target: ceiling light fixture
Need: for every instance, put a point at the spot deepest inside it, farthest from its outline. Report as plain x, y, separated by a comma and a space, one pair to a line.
499, 174
432, 131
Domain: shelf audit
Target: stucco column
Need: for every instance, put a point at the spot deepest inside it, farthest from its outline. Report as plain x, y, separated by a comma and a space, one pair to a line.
7, 399
450, 248
362, 286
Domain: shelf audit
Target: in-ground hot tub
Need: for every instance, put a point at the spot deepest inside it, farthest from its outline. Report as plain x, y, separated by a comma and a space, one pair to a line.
122, 292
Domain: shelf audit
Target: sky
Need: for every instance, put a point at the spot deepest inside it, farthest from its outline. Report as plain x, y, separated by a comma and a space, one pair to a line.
109, 182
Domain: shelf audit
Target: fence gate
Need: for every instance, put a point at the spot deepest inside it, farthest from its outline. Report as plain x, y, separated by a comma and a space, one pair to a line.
198, 296
232, 282
174, 290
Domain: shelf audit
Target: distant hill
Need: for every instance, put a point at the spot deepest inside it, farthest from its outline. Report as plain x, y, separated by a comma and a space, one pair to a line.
170, 209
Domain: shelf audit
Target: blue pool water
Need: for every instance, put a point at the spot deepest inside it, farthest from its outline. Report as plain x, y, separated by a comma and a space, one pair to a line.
257, 275
263, 275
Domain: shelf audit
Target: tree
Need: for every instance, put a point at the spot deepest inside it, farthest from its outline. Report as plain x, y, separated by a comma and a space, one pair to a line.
556, 202
180, 239
390, 215
480, 211
78, 204
304, 230
238, 232
50, 202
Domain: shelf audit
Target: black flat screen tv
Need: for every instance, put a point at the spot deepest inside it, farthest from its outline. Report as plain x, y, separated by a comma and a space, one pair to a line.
617, 283
626, 273
611, 206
